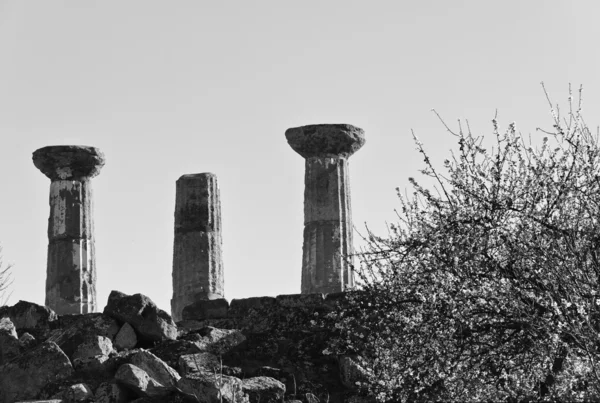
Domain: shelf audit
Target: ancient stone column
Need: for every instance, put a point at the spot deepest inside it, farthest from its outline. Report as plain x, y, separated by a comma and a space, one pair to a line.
197, 261
71, 266
327, 215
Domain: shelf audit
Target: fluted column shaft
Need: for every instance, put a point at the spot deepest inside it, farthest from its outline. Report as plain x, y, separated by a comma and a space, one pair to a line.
197, 256
71, 265
327, 246
327, 226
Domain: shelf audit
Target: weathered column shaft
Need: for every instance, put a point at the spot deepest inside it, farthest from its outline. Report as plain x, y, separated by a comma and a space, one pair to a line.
71, 269
327, 247
71, 265
327, 226
197, 259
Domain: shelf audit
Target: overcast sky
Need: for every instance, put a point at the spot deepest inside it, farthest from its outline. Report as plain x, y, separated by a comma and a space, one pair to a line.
166, 88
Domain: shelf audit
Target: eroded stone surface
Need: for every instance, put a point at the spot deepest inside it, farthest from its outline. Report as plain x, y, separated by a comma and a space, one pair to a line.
69, 162
150, 322
71, 267
263, 389
326, 266
25, 376
197, 257
140, 382
206, 309
325, 140
126, 338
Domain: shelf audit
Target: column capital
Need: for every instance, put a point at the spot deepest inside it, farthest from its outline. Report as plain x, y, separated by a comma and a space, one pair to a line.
325, 140
68, 162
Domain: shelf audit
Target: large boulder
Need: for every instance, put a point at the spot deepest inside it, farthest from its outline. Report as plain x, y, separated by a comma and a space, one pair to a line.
93, 346
170, 351
150, 323
25, 376
199, 362
30, 317
213, 388
156, 368
263, 389
77, 329
216, 341
126, 338
140, 382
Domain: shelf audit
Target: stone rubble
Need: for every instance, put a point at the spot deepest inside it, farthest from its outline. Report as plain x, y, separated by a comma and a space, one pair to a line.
133, 352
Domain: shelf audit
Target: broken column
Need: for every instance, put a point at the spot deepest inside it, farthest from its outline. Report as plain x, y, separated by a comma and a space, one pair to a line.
327, 215
197, 261
71, 265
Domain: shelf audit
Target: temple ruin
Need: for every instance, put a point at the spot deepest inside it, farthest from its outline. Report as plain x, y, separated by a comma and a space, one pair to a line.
71, 266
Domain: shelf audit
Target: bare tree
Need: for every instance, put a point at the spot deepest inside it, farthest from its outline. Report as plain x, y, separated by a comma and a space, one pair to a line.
5, 280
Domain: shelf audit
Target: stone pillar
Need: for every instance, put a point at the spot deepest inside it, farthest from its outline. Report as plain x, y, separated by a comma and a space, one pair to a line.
71, 267
327, 213
197, 261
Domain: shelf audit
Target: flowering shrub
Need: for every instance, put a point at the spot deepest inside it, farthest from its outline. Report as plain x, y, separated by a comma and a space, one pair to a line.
487, 288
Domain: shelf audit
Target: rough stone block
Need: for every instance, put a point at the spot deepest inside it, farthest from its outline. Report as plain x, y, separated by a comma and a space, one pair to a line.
150, 323
209, 309
139, 382
300, 300
25, 376
126, 338
263, 389
242, 307
199, 362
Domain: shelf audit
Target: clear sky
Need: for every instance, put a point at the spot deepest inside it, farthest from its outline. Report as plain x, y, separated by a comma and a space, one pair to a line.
166, 88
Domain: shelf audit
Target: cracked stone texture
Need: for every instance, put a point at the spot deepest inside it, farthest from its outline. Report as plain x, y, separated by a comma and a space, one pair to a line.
69, 162
197, 257
71, 264
327, 208
325, 140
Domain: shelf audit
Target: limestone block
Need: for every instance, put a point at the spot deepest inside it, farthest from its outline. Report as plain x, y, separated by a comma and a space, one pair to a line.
300, 300
29, 317
170, 350
25, 376
93, 346
110, 392
206, 309
126, 338
199, 362
139, 382
213, 388
94, 366
263, 389
217, 341
77, 329
156, 368
150, 323
242, 307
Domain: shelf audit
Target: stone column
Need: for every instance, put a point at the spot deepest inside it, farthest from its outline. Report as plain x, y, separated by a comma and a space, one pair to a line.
197, 261
71, 267
327, 213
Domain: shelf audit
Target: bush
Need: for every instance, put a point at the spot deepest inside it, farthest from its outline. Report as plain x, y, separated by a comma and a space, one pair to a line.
487, 288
